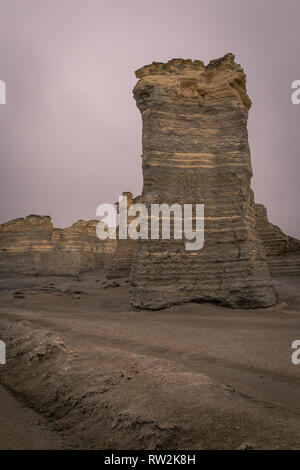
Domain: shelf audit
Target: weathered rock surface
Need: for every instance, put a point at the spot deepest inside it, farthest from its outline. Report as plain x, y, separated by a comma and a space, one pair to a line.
274, 240
122, 259
285, 265
195, 150
33, 246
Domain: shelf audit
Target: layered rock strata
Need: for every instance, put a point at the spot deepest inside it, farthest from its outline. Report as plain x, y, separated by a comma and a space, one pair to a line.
273, 238
33, 246
123, 257
195, 150
276, 243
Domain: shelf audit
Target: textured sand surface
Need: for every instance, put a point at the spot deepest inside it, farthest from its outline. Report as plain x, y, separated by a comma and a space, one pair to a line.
109, 376
24, 429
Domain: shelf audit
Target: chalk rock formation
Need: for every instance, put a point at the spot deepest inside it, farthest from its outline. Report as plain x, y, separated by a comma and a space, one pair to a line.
195, 150
274, 240
33, 246
122, 259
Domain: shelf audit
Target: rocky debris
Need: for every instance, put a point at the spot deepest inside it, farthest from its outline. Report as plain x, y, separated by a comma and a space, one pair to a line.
122, 259
246, 446
33, 290
19, 295
274, 240
111, 285
195, 150
33, 246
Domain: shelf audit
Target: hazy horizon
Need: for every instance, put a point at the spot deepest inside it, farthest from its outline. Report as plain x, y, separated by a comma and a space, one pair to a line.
70, 130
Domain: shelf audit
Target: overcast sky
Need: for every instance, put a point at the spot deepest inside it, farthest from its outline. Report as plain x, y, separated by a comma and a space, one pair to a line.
70, 133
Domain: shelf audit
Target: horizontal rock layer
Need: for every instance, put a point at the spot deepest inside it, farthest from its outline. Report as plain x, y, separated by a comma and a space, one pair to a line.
285, 265
274, 240
122, 259
195, 150
33, 246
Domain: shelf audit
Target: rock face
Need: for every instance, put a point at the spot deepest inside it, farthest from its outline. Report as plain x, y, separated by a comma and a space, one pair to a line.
123, 257
195, 150
274, 240
33, 246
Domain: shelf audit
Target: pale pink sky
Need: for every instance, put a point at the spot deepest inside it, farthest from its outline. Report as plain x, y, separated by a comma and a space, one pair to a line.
70, 133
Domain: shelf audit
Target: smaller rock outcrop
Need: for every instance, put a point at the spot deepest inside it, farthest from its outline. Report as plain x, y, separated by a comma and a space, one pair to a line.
123, 257
274, 240
31, 245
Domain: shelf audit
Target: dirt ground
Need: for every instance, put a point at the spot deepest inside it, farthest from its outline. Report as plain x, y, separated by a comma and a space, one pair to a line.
23, 428
86, 370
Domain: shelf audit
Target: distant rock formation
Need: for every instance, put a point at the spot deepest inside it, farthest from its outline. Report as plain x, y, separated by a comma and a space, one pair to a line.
33, 246
274, 240
283, 251
122, 259
195, 150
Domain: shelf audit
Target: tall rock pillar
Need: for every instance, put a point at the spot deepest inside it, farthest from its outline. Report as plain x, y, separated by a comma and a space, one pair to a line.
195, 150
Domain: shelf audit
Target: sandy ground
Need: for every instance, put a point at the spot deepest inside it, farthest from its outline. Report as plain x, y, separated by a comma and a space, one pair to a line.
104, 375
23, 428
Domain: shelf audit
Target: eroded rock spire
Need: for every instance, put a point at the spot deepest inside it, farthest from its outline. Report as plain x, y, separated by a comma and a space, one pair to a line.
195, 150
